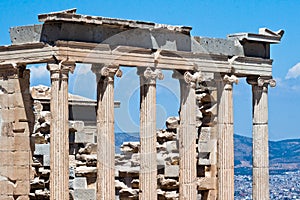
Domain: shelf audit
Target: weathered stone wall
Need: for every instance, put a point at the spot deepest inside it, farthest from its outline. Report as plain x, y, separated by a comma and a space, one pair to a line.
16, 123
206, 97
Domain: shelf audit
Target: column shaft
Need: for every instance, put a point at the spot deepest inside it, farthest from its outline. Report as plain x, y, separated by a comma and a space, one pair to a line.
148, 180
148, 172
225, 139
187, 143
59, 141
105, 138
260, 142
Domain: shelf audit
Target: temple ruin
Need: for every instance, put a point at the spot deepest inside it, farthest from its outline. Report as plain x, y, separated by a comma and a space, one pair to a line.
192, 159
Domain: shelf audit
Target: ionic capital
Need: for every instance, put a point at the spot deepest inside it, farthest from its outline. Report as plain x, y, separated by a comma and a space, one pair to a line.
230, 79
261, 81
150, 75
188, 77
106, 71
61, 70
192, 79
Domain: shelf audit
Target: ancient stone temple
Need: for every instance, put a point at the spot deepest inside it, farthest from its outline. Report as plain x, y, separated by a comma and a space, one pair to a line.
47, 154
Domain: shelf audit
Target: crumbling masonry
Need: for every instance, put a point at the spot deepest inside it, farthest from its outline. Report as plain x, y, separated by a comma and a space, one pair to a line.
192, 159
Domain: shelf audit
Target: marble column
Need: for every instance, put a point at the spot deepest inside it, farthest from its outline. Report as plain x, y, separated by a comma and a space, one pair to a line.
59, 130
105, 131
148, 163
260, 136
187, 135
225, 137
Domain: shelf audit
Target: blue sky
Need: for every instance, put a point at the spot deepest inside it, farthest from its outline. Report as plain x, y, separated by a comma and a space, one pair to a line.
208, 18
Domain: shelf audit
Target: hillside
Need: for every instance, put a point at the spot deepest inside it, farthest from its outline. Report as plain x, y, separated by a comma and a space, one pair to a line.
283, 154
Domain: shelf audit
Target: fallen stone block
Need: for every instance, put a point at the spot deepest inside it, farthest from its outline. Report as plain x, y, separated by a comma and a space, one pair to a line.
90, 148
172, 122
121, 160
172, 159
91, 161
160, 148
44, 173
38, 138
37, 183
42, 194
205, 134
172, 147
203, 161
208, 146
86, 157
171, 195
46, 160
205, 183
135, 160
168, 184
129, 193
172, 171
42, 149
120, 185
80, 183
129, 172
32, 195
135, 183
132, 147
85, 194
82, 137
160, 159
86, 171
76, 126
161, 194
163, 136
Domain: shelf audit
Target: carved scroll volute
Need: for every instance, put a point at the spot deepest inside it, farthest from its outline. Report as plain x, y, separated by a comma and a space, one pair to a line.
150, 75
261, 81
106, 71
61, 70
229, 80
192, 79
188, 77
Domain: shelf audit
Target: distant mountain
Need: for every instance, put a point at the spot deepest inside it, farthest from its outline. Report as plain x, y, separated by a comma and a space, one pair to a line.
283, 154
242, 151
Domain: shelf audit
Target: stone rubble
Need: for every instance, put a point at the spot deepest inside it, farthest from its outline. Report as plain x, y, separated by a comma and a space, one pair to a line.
83, 156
